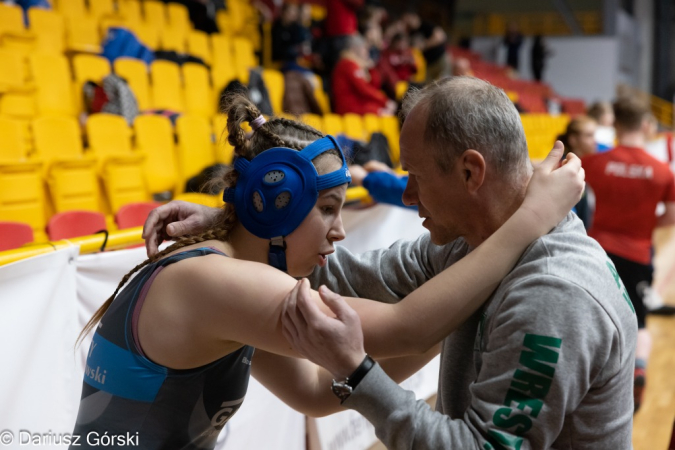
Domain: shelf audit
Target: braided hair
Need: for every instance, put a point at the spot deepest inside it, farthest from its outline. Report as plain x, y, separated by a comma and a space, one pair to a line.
277, 132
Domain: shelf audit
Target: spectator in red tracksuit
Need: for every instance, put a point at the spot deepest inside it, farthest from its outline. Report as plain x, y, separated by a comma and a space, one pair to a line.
341, 22
354, 90
629, 184
398, 61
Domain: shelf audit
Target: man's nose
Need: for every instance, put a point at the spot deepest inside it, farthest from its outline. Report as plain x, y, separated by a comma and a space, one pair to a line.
410, 197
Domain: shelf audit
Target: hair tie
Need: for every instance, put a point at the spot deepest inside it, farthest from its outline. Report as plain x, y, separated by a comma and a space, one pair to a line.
257, 122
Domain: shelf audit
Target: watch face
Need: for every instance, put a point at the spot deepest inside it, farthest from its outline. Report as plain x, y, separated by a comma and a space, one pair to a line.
341, 390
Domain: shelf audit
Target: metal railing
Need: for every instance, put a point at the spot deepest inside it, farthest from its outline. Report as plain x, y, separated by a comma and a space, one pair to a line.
116, 239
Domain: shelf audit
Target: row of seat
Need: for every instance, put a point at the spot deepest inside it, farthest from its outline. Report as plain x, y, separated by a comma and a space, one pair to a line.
47, 85
541, 131
61, 176
71, 224
123, 164
76, 26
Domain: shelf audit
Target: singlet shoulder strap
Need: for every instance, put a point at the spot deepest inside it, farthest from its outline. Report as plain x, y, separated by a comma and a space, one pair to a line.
201, 251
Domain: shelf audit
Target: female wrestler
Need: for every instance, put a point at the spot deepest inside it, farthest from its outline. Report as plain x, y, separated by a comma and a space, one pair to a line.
171, 355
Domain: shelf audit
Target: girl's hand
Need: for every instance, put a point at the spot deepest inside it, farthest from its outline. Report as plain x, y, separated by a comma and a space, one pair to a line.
554, 188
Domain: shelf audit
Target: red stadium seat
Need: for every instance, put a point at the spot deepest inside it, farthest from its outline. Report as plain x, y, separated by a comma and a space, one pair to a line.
134, 214
14, 235
70, 224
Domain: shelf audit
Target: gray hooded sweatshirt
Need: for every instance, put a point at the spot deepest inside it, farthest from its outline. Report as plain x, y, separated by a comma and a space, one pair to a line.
547, 362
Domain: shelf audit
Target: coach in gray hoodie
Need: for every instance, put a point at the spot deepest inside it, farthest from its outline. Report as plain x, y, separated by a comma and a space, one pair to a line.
548, 361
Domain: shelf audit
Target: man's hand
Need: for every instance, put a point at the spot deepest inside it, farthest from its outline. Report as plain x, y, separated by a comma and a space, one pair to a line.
176, 218
554, 187
335, 343
358, 173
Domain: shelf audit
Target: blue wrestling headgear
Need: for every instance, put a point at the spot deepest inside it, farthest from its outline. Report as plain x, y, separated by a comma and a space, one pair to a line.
278, 188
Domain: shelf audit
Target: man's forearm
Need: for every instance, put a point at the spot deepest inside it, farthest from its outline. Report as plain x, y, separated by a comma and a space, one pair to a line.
403, 422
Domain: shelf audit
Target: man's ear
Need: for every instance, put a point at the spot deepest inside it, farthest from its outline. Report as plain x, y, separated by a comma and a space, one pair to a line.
473, 168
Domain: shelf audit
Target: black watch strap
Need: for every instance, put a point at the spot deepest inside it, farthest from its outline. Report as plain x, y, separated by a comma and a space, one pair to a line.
360, 372
343, 389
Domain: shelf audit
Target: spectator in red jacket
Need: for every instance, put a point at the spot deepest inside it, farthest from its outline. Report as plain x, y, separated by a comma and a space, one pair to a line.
399, 57
341, 22
354, 90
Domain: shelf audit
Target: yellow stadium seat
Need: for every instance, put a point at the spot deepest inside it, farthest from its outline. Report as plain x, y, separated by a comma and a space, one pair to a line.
13, 73
223, 150
11, 20
199, 97
166, 86
320, 95
401, 88
101, 8
212, 201
154, 139
82, 35
274, 82
12, 32
172, 40
124, 182
49, 28
178, 18
391, 129
198, 45
90, 68
244, 57
371, 124
72, 8
148, 34
22, 196
224, 22
109, 135
121, 169
313, 120
54, 94
17, 105
135, 72
353, 127
12, 141
154, 13
72, 179
236, 16
195, 149
332, 124
130, 10
223, 70
57, 137
421, 74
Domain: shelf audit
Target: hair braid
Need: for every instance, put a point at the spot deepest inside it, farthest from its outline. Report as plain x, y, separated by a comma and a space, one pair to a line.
275, 138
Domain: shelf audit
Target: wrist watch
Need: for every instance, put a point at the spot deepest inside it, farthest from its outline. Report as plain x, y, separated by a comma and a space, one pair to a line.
343, 389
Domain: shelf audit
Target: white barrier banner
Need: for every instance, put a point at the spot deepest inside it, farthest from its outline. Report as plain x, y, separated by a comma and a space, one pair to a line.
38, 381
45, 302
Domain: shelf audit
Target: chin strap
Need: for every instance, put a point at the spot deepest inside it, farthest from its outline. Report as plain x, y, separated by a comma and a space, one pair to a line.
277, 255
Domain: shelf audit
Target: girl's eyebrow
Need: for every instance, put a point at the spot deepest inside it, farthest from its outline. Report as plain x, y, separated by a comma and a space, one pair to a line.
337, 197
